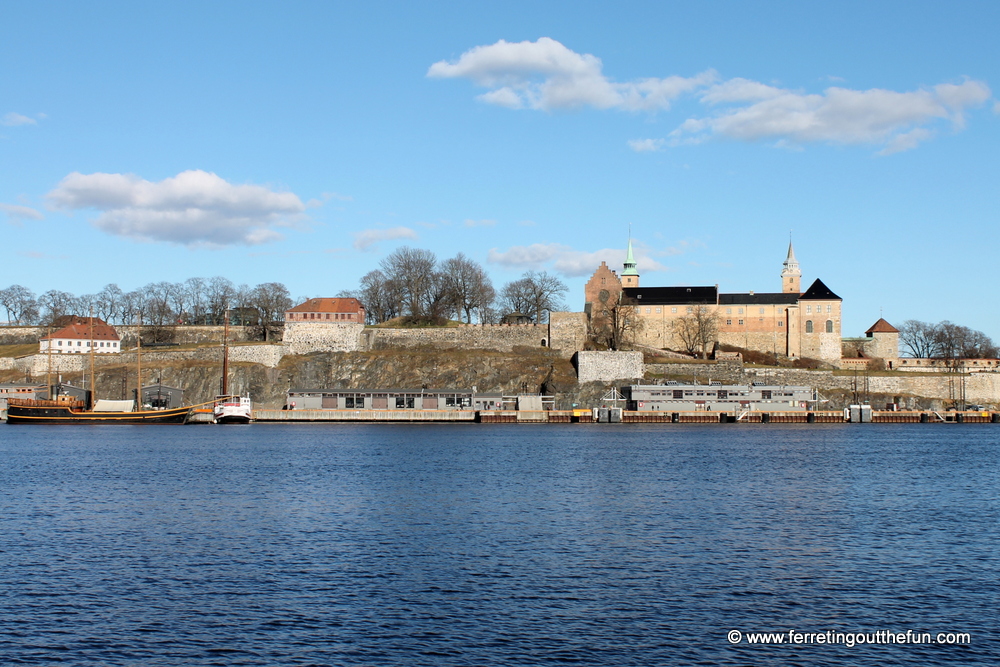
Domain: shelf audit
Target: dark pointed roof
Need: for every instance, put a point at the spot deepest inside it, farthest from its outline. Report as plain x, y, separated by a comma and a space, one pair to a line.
819, 292
882, 327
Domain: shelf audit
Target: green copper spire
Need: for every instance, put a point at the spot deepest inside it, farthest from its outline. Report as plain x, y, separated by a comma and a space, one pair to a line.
629, 262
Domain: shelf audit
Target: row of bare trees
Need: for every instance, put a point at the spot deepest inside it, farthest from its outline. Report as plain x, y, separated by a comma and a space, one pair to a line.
412, 284
945, 340
194, 301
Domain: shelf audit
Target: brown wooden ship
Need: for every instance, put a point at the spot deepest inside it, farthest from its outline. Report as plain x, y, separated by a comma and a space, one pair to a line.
34, 411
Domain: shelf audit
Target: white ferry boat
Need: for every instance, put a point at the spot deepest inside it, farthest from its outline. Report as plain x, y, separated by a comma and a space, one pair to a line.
232, 410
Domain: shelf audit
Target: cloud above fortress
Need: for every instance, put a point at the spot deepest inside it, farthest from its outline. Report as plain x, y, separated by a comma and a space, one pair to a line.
567, 261
545, 75
195, 208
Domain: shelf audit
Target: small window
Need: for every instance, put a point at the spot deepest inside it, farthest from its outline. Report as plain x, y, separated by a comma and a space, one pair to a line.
659, 310
729, 322
739, 311
741, 322
781, 323
729, 311
649, 310
761, 311
809, 326
673, 310
829, 326
829, 308
690, 309
809, 309
60, 343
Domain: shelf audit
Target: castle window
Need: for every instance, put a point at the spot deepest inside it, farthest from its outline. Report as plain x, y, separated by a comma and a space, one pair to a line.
729, 311
809, 309
648, 311
829, 326
761, 311
739, 311
690, 309
673, 310
781, 323
829, 308
659, 310
809, 326
729, 322
741, 322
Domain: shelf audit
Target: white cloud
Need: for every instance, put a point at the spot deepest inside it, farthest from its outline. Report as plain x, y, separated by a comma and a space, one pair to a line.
646, 145
897, 121
996, 107
568, 261
194, 208
18, 213
367, 239
480, 223
12, 119
546, 75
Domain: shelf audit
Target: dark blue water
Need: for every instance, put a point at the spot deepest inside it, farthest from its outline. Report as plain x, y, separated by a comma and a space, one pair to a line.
495, 545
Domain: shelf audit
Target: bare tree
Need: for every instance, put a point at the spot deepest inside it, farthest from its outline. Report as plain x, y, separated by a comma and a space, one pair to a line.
469, 287
197, 296
412, 271
271, 300
533, 294
380, 297
55, 304
108, 303
616, 324
697, 330
945, 340
220, 295
158, 311
20, 304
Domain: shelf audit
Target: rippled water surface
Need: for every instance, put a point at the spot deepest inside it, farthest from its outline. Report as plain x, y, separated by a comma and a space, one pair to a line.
495, 545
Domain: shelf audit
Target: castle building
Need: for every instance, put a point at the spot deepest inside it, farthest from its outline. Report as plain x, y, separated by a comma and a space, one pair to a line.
788, 323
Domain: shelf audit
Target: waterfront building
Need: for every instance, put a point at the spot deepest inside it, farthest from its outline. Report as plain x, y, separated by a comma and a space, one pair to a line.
718, 397
391, 399
76, 338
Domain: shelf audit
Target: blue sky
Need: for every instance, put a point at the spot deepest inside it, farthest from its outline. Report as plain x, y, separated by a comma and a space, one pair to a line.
302, 142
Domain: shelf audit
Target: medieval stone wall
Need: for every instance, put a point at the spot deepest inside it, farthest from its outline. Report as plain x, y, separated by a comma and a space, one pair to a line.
306, 337
608, 366
180, 334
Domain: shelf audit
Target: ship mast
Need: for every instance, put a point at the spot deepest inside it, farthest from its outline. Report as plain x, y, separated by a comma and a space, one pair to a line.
225, 358
48, 373
92, 378
138, 363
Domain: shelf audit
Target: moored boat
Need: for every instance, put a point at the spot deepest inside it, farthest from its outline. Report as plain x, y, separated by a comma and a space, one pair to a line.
29, 411
233, 410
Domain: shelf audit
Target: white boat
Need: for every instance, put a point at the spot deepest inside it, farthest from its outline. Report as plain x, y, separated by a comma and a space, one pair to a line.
232, 410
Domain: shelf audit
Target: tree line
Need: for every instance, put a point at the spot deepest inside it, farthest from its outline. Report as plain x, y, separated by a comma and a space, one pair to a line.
412, 284
945, 340
193, 301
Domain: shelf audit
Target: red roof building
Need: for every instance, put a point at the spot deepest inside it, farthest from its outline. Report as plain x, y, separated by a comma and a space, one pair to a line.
342, 310
75, 338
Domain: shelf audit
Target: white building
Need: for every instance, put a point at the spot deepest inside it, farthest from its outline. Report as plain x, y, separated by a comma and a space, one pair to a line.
76, 337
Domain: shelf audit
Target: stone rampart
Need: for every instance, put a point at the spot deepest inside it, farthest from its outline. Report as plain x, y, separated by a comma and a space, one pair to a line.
180, 334
306, 337
608, 366
568, 332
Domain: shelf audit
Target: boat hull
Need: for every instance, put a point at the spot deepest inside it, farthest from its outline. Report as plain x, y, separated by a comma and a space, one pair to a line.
19, 414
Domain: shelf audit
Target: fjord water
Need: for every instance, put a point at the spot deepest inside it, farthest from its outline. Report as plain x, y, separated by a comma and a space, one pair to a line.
495, 545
